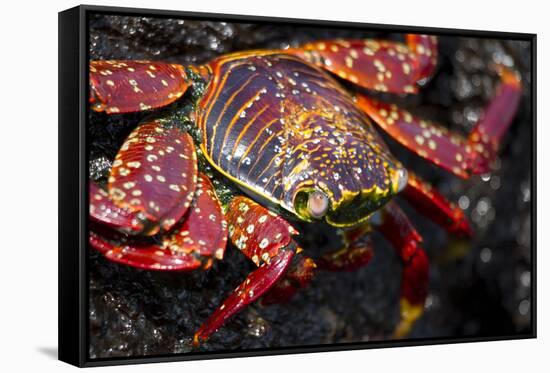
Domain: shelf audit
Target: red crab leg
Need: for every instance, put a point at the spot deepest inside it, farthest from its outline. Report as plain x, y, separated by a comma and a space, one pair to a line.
381, 65
201, 237
356, 252
130, 86
257, 232
266, 239
486, 136
400, 232
429, 202
451, 151
424, 48
297, 277
155, 173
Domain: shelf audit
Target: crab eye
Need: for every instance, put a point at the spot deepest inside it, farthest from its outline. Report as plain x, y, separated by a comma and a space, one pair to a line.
317, 204
401, 179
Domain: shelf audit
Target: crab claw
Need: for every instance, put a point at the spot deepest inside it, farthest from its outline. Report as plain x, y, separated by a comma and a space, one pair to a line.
380, 65
142, 256
131, 86
155, 174
204, 230
195, 242
104, 211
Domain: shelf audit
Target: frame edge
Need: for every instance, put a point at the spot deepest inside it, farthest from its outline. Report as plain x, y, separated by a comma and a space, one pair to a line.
70, 348
72, 33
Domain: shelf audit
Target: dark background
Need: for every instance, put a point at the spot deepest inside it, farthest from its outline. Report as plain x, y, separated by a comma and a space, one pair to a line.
479, 287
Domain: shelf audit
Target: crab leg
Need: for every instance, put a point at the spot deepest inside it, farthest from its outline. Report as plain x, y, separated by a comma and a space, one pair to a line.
356, 252
131, 86
380, 65
429, 202
451, 151
298, 276
400, 232
201, 237
266, 239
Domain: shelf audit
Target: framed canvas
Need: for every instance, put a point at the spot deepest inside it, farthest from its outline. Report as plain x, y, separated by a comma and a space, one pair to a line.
236, 186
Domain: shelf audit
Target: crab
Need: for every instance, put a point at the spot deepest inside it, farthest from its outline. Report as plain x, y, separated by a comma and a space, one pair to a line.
274, 137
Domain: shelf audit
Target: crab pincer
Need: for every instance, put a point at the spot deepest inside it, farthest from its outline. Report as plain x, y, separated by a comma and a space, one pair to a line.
104, 211
154, 189
155, 167
199, 238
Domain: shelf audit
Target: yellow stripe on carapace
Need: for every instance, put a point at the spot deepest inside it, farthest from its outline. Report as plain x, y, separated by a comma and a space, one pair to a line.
259, 133
226, 105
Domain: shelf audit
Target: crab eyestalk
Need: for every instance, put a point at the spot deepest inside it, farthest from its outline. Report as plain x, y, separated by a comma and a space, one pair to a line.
400, 178
317, 204
311, 204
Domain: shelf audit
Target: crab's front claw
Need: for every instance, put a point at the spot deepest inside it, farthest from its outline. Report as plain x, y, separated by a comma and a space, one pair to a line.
103, 211
148, 256
155, 174
380, 65
131, 86
266, 239
193, 243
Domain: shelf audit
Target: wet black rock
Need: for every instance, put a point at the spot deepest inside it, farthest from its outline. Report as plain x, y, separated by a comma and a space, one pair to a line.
479, 287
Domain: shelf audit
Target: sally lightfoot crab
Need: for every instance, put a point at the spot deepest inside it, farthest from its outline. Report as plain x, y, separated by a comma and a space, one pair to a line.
274, 137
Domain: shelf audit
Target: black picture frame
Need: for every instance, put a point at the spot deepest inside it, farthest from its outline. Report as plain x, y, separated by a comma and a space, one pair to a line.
73, 193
